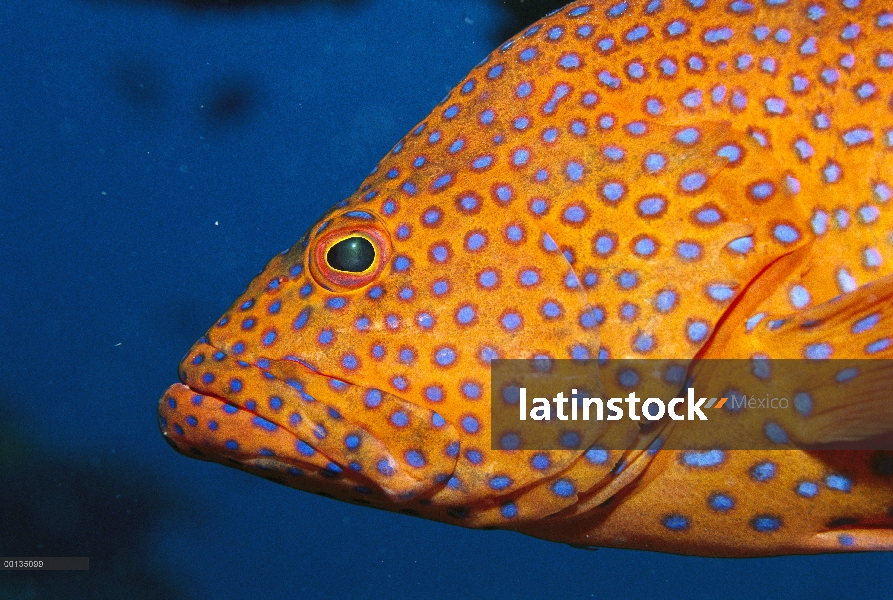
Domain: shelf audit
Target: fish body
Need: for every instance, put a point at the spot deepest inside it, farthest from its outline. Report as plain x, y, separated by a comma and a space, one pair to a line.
664, 180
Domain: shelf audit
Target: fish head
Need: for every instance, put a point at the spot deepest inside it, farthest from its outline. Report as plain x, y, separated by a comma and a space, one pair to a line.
357, 363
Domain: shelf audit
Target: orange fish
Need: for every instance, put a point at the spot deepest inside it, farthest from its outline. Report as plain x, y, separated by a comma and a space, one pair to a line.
660, 179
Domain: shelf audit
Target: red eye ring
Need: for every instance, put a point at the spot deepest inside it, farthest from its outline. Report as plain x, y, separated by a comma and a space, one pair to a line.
333, 279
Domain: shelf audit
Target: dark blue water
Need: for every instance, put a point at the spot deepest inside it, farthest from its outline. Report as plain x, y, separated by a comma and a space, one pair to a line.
152, 160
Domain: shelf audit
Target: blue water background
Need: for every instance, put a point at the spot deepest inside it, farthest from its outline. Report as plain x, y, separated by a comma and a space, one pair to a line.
152, 160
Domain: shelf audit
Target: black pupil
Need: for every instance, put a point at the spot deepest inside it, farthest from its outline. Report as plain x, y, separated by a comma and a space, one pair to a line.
354, 255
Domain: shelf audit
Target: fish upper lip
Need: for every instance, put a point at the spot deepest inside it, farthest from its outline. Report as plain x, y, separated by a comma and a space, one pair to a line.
306, 365
252, 359
199, 387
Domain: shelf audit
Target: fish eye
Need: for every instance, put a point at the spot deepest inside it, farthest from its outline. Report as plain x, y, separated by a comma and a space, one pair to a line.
349, 257
352, 255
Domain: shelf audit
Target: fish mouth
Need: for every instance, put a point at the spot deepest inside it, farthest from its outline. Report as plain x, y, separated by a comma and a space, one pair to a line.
286, 421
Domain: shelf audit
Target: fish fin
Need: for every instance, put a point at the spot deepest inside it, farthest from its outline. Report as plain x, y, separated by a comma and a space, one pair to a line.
848, 540
832, 363
849, 323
